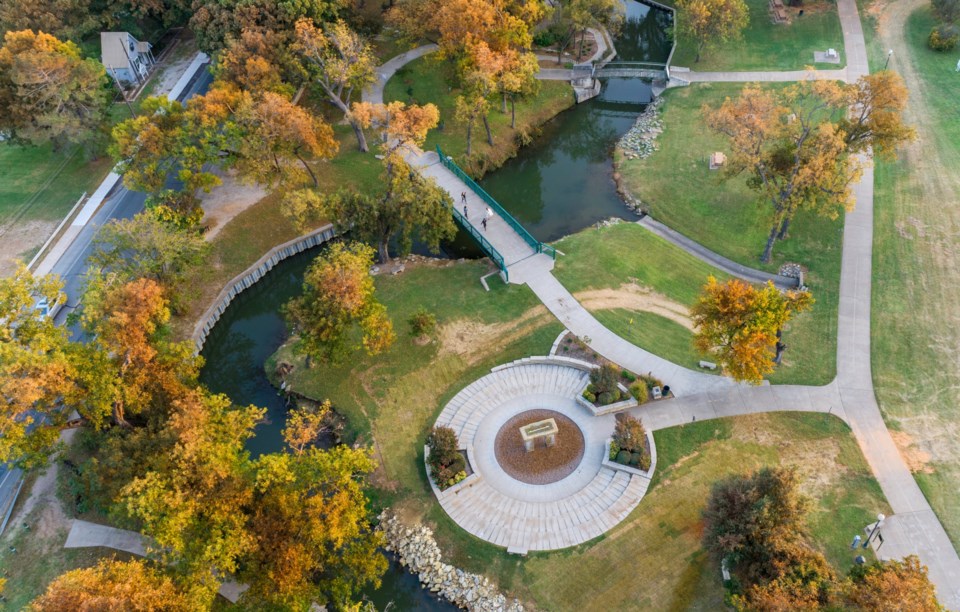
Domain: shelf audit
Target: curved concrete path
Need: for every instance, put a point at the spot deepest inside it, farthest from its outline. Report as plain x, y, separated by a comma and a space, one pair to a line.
494, 506
914, 528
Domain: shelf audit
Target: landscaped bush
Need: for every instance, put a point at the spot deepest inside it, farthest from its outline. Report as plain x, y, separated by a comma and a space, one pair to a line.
639, 391
944, 37
630, 438
603, 383
628, 375
422, 323
447, 465
544, 38
589, 396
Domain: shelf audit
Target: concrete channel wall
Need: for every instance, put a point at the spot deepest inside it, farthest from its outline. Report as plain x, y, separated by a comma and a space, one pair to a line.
251, 275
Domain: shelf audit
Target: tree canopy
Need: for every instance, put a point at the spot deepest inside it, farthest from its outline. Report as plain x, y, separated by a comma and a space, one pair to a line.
740, 324
709, 22
798, 145
49, 92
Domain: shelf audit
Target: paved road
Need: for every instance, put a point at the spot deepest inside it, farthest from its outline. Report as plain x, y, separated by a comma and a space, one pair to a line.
120, 204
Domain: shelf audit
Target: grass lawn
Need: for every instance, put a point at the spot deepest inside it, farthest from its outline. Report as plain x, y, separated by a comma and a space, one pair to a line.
679, 190
916, 258
429, 80
627, 253
771, 46
38, 184
398, 394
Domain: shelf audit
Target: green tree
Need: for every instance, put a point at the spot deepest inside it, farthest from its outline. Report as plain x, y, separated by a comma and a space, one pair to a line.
49, 92
166, 140
946, 10
35, 369
586, 14
338, 297
147, 247
709, 22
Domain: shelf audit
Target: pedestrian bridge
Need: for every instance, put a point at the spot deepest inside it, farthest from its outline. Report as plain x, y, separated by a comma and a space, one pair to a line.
627, 70
508, 244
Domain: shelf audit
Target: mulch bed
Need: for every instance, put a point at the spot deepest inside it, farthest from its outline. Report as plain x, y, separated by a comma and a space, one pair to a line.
544, 464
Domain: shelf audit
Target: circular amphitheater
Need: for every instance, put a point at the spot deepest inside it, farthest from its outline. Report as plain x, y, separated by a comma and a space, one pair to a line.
571, 494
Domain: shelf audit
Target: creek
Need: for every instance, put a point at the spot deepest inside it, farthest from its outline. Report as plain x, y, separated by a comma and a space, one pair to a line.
558, 185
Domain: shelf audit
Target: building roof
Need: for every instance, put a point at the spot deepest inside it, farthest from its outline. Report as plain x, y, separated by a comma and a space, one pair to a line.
115, 47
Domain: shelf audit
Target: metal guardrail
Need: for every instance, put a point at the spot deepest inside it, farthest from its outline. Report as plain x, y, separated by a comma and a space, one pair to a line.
535, 244
488, 248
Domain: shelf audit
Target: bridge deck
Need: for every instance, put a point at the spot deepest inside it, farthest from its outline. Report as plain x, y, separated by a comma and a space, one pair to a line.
504, 238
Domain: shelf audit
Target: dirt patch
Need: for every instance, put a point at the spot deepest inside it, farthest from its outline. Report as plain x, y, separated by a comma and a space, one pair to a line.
816, 460
544, 464
471, 340
52, 520
917, 459
227, 201
20, 239
635, 297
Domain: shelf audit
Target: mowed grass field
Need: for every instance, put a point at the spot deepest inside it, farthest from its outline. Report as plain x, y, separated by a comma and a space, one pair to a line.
916, 279
653, 560
771, 46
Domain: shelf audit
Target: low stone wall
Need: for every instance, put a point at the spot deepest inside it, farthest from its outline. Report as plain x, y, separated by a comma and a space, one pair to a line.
251, 275
418, 552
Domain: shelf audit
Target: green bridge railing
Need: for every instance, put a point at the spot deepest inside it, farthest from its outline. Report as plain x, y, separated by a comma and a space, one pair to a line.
490, 250
535, 244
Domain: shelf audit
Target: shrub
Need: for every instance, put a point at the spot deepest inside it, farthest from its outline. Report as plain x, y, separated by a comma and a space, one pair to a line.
651, 381
422, 323
639, 391
623, 457
629, 434
590, 397
628, 375
607, 397
445, 460
614, 450
605, 378
943, 37
544, 38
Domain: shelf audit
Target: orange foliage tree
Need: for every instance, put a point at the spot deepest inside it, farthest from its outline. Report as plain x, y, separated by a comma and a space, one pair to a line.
739, 324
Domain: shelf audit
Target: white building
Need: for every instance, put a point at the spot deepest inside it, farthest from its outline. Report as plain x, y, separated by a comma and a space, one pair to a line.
127, 59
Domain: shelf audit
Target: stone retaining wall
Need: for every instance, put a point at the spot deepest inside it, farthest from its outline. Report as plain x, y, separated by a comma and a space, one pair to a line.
251, 275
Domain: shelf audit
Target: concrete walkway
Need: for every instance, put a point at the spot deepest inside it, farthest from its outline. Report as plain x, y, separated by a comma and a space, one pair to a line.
764, 77
914, 528
84, 534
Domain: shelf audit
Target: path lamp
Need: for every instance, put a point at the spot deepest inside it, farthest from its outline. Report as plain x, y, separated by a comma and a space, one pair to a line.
889, 55
876, 528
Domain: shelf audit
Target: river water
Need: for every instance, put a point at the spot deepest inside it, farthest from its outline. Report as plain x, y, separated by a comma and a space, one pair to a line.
558, 185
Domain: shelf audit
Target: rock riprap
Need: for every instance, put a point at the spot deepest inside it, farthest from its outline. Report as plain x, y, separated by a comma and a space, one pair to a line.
418, 552
640, 141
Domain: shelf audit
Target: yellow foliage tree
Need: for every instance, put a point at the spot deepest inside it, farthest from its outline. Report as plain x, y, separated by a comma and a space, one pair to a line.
740, 325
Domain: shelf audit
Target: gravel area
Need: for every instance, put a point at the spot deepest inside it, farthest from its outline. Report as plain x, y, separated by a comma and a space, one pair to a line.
545, 464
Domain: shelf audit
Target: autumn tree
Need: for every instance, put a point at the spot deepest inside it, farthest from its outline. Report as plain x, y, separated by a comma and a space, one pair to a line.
215, 23
340, 62
741, 325
338, 298
35, 371
49, 92
112, 585
517, 79
195, 509
797, 145
309, 519
757, 523
875, 586
147, 247
710, 22
804, 581
274, 133
405, 203
166, 140
947, 11
128, 367
67, 19
261, 60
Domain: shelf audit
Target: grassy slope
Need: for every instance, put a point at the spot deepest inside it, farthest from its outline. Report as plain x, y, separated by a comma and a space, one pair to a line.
428, 80
629, 253
916, 288
770, 46
678, 189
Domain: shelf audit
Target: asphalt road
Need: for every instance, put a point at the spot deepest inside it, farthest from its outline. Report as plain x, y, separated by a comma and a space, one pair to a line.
121, 203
